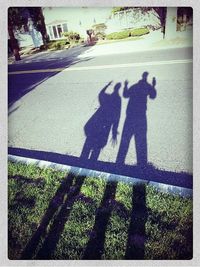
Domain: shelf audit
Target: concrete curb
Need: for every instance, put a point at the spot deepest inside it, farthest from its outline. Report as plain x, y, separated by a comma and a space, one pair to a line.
170, 189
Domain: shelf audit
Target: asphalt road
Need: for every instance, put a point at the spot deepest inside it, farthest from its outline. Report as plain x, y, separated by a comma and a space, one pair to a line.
48, 109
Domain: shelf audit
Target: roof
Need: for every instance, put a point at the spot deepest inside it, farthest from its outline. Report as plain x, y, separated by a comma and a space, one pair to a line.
56, 22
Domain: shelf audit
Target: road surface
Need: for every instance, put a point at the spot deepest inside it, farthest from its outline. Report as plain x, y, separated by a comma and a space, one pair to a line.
51, 98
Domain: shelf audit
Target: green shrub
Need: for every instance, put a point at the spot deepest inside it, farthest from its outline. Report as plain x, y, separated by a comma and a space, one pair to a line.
56, 44
127, 33
118, 35
72, 36
139, 32
100, 36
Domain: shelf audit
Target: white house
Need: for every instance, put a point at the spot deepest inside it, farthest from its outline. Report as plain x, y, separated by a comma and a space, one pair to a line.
62, 19
80, 19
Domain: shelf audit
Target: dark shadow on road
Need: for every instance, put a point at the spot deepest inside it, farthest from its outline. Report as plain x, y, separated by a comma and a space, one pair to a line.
136, 121
102, 122
149, 173
21, 84
97, 130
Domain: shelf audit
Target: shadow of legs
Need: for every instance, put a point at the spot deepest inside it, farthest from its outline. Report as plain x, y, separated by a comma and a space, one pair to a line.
95, 154
124, 144
90, 151
86, 150
95, 246
136, 232
141, 148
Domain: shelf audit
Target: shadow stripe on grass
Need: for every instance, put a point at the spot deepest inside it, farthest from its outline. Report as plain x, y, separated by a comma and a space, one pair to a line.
53, 207
53, 236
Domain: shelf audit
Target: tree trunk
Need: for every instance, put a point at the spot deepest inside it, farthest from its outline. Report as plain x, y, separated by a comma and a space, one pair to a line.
14, 43
90, 37
89, 33
43, 28
171, 23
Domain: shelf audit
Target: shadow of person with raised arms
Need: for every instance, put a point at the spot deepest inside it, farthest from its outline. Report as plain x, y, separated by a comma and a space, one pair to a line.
136, 120
105, 119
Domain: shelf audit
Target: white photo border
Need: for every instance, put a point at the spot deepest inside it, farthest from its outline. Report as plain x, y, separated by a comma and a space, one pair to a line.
195, 4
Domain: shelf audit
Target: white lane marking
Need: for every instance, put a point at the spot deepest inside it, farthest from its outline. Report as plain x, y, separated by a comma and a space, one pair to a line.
124, 65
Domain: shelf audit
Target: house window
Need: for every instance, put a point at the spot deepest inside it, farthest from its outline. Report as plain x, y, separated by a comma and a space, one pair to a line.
51, 33
59, 28
55, 32
65, 29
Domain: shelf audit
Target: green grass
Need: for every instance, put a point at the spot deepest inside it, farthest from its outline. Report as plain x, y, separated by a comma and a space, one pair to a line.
78, 217
63, 44
102, 42
57, 45
127, 33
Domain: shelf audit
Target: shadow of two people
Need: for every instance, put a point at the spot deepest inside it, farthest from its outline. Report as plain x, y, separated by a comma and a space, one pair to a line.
97, 131
107, 116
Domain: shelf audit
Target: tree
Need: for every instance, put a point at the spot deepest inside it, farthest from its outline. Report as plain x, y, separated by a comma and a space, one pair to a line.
15, 20
101, 27
89, 33
18, 18
161, 14
39, 22
184, 17
99, 30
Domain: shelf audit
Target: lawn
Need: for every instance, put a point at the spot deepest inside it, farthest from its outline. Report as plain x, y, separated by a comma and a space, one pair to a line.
59, 215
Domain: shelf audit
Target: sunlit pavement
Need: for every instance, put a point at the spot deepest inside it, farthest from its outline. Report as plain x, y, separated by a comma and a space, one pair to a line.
152, 41
51, 112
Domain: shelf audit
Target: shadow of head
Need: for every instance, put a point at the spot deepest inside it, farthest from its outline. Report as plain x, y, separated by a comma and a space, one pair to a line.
145, 75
